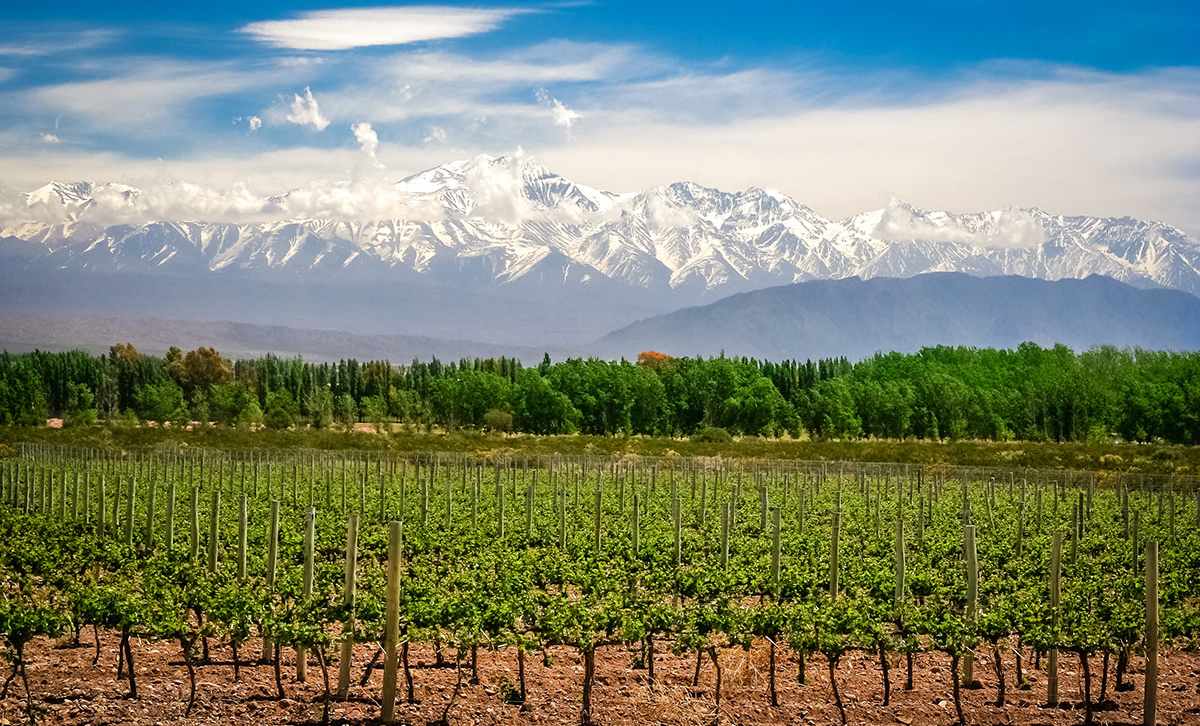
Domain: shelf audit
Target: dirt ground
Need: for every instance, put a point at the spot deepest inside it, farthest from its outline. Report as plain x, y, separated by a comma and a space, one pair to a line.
68, 689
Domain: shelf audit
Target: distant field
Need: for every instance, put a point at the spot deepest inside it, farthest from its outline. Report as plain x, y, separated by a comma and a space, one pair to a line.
1144, 458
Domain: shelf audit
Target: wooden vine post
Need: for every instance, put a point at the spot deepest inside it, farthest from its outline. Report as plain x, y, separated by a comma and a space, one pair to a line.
272, 561
899, 553
195, 528
834, 540
969, 550
151, 512
171, 514
1150, 696
213, 532
310, 522
130, 501
391, 635
776, 553
350, 587
725, 517
243, 536
1055, 595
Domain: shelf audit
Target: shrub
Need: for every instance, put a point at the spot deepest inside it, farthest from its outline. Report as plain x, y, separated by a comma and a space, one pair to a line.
251, 416
282, 410
712, 435
81, 406
497, 420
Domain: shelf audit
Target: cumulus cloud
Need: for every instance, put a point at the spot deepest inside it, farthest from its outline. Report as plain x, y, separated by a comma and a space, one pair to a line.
435, 135
1067, 140
1012, 228
359, 200
253, 123
367, 139
305, 111
49, 138
563, 116
362, 27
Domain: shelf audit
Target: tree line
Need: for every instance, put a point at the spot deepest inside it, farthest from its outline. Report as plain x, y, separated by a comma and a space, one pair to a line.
1027, 393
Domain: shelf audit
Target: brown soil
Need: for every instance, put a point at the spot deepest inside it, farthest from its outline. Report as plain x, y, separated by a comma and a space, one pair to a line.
69, 689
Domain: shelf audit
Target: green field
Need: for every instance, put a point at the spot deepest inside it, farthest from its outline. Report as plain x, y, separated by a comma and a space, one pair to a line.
679, 557
1154, 458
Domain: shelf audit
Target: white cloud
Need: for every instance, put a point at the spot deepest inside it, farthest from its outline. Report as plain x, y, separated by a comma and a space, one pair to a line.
367, 139
52, 43
148, 90
563, 116
362, 27
304, 111
1066, 140
49, 138
254, 123
1005, 228
436, 135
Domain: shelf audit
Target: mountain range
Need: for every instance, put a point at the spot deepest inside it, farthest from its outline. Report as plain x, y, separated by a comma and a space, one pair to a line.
857, 318
503, 250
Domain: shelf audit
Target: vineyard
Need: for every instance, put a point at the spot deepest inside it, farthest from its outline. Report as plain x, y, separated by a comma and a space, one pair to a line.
444, 588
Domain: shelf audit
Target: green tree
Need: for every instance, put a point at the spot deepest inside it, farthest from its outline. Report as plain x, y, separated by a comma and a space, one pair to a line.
228, 401
160, 401
539, 409
375, 410
282, 410
320, 408
345, 410
81, 406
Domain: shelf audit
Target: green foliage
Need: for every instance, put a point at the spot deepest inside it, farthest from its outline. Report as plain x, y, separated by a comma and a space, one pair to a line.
464, 585
498, 421
250, 416
945, 394
540, 409
282, 410
160, 401
320, 408
345, 410
712, 435
375, 410
81, 406
228, 402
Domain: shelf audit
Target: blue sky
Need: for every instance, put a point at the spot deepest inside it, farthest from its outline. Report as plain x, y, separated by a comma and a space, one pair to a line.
1076, 107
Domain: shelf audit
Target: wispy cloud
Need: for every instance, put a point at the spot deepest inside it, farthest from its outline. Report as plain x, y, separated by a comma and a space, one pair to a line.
362, 27
148, 89
48, 138
43, 43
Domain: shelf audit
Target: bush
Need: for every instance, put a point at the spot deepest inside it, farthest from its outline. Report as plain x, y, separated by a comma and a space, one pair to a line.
126, 420
159, 401
282, 410
375, 410
251, 416
498, 420
712, 435
81, 406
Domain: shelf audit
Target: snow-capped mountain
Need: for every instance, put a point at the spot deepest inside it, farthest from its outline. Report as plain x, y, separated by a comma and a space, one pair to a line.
509, 221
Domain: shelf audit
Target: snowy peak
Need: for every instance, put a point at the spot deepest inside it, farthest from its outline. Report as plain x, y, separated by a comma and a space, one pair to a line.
508, 220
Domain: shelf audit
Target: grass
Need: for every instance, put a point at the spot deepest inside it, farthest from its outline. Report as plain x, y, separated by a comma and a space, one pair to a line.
1144, 458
